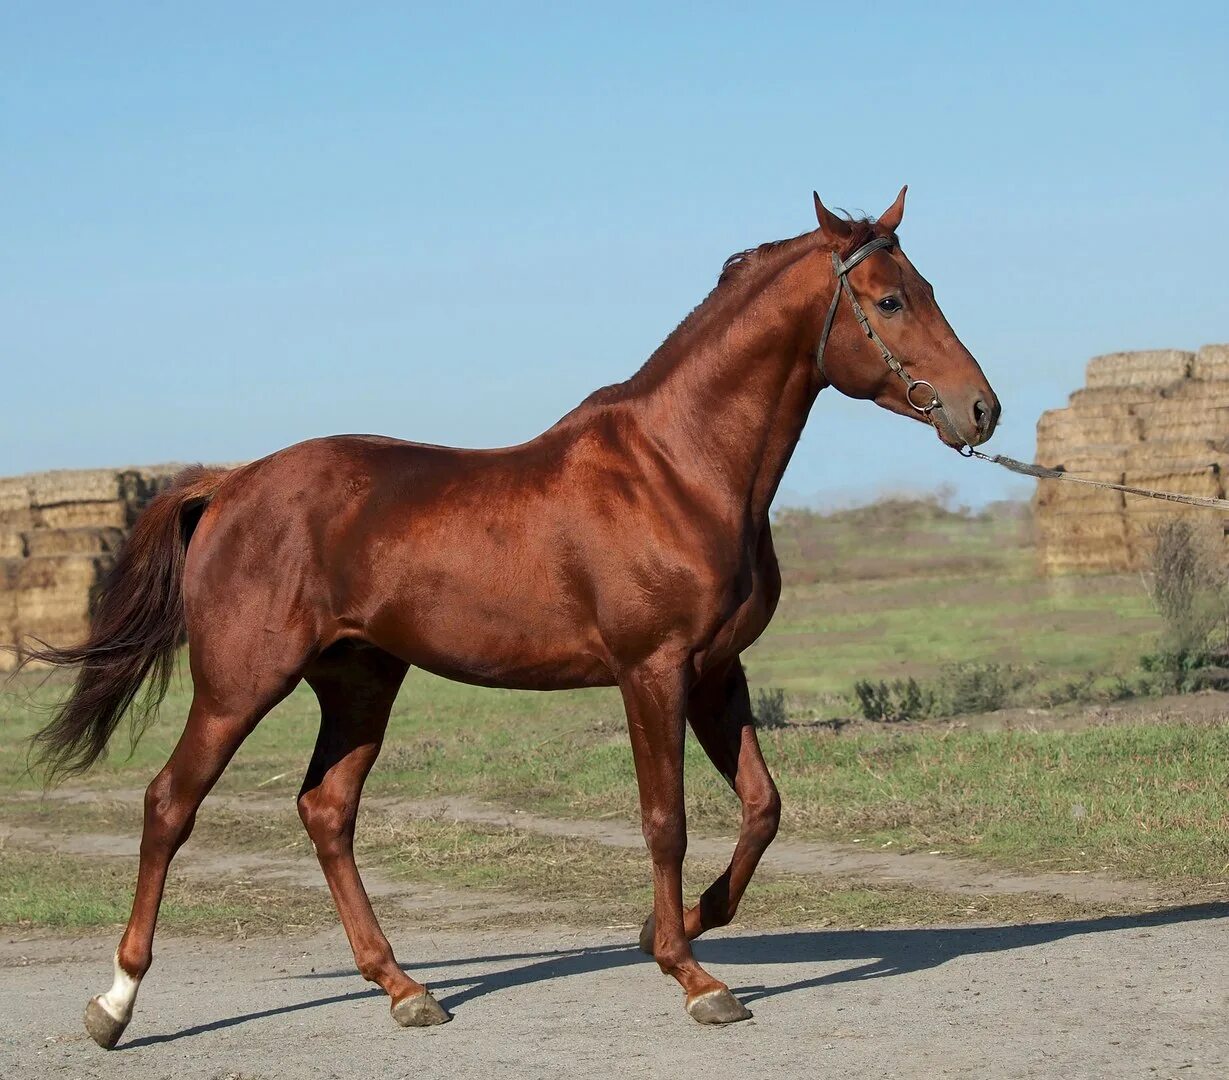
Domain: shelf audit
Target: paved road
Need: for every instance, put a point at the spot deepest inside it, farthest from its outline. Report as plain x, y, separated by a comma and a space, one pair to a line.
1128, 997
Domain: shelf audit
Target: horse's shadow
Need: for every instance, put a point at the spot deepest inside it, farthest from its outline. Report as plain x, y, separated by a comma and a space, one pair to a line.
877, 954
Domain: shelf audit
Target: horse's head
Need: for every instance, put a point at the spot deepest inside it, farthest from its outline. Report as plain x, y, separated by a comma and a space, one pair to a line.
900, 352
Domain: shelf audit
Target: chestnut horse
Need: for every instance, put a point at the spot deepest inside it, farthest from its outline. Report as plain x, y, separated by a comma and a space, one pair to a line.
628, 545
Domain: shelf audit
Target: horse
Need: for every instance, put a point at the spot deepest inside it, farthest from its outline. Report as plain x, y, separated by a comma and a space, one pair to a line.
627, 545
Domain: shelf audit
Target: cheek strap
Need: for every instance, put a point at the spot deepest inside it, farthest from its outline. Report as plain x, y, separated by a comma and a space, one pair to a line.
920, 394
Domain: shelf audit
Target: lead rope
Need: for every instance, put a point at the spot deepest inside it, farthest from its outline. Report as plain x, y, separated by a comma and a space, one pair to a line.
1042, 473
933, 409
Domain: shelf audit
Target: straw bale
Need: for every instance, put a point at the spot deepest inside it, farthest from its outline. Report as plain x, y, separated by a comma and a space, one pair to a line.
1096, 462
74, 486
1157, 367
88, 540
8, 607
55, 632
1204, 391
1198, 480
103, 515
1068, 426
1083, 543
1056, 498
1078, 456
1153, 453
18, 519
14, 493
1212, 363
1144, 525
1182, 407
1119, 396
1199, 425
57, 588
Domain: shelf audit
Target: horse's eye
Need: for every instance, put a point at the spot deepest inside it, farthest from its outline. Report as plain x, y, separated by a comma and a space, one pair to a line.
889, 305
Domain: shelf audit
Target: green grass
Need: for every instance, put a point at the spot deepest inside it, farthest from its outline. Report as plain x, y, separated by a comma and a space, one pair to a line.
869, 594
565, 879
43, 889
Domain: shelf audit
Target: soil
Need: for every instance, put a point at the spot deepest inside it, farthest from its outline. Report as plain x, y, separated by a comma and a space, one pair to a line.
1134, 996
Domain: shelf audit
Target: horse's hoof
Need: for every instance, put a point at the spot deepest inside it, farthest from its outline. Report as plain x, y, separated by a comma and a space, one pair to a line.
104, 1029
421, 1010
717, 1007
647, 932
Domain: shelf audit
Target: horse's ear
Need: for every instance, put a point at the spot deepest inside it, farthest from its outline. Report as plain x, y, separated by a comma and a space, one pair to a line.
890, 218
836, 227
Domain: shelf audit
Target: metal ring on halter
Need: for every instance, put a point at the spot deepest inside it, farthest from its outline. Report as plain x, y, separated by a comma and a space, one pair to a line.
934, 396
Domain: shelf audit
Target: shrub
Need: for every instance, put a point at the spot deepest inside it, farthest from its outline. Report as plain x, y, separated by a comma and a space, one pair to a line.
895, 701
974, 688
1190, 589
768, 710
958, 689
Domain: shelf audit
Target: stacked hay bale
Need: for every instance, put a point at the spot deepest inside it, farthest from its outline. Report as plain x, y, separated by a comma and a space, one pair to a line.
1156, 420
59, 532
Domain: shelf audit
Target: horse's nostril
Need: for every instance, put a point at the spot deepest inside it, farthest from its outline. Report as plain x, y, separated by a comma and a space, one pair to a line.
984, 415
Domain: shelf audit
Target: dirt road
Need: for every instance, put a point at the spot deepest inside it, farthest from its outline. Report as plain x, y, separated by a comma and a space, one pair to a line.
1127, 997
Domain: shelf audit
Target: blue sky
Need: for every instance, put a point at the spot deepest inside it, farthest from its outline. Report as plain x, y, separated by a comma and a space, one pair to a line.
228, 227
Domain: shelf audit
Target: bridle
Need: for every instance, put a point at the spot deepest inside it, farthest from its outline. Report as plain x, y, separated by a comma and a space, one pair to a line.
931, 409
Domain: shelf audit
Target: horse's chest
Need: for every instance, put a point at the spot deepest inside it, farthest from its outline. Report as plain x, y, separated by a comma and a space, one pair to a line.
751, 614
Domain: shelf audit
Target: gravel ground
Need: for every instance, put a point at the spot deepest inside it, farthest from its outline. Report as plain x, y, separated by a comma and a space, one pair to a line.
1126, 997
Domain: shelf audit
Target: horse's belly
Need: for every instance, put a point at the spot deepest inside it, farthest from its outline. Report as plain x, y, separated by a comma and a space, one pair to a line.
523, 645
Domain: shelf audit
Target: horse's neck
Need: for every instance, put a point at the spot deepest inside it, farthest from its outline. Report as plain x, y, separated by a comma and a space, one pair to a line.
730, 405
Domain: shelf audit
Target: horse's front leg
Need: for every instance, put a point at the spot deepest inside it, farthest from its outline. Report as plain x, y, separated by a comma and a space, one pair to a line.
719, 709
655, 696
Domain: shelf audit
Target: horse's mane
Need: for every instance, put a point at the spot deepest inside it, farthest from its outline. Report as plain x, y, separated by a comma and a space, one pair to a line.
739, 266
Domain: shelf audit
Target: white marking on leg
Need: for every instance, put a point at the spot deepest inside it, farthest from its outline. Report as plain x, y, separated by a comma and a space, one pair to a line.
119, 999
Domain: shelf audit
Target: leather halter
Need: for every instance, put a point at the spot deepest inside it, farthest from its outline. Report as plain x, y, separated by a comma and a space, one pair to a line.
931, 409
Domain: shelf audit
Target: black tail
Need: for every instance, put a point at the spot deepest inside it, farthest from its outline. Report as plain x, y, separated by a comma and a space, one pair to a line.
134, 633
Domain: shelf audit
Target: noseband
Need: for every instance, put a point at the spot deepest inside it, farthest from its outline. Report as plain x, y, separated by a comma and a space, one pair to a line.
932, 409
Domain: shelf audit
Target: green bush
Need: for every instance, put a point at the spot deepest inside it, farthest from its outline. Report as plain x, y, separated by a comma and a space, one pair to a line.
1190, 589
958, 689
769, 710
895, 701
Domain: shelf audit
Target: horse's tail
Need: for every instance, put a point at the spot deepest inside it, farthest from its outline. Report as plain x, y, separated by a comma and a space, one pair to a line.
137, 626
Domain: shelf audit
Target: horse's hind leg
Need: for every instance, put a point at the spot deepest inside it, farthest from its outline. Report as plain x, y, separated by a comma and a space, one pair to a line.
215, 728
719, 710
356, 687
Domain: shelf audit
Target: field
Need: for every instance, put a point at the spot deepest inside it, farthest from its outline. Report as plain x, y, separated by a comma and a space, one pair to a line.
505, 807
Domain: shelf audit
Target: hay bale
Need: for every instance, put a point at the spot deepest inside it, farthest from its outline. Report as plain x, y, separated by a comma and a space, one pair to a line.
14, 493
89, 540
1073, 429
1158, 367
1120, 397
1203, 392
1082, 542
1211, 363
1197, 425
1056, 498
102, 515
1170, 410
1183, 480
1155, 453
1144, 525
57, 587
74, 486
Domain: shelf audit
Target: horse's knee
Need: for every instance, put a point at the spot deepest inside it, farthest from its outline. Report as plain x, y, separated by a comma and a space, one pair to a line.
665, 833
329, 825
